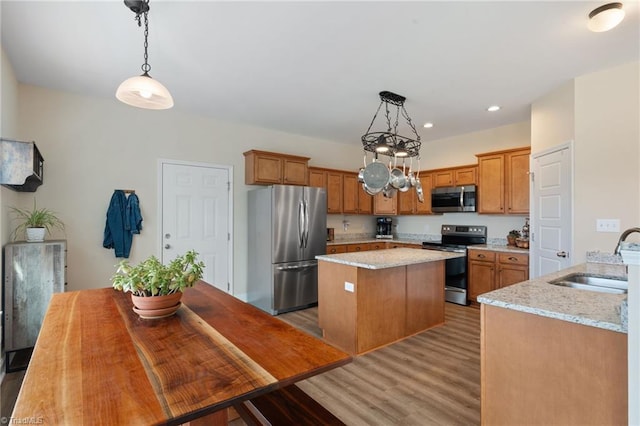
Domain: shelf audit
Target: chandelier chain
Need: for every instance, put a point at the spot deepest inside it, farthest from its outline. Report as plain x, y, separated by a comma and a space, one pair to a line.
146, 67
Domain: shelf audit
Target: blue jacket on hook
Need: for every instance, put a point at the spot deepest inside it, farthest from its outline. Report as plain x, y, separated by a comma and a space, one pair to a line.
123, 220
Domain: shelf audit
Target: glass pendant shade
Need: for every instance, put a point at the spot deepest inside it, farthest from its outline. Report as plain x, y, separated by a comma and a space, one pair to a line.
605, 17
143, 91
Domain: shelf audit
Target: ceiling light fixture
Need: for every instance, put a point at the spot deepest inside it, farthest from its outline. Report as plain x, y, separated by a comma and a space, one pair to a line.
142, 91
428, 125
605, 17
493, 108
389, 141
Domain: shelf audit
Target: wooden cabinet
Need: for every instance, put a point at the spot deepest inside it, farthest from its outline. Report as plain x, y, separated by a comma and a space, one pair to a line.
408, 201
454, 176
334, 192
336, 248
503, 179
350, 187
351, 248
317, 177
406, 245
268, 168
490, 270
378, 245
385, 206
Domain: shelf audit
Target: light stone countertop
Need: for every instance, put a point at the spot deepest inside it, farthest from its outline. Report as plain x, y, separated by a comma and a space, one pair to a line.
389, 258
498, 247
585, 307
373, 240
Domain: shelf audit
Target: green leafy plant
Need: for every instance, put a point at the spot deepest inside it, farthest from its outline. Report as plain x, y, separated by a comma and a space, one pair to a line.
151, 278
36, 218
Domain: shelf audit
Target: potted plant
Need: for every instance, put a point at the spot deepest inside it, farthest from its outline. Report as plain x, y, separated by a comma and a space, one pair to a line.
156, 289
512, 236
35, 223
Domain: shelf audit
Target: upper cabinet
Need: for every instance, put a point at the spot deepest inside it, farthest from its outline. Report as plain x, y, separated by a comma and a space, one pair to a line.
344, 192
503, 178
408, 202
268, 168
21, 165
454, 176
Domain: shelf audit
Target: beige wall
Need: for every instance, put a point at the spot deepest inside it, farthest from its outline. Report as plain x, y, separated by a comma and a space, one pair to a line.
600, 112
92, 146
552, 118
607, 138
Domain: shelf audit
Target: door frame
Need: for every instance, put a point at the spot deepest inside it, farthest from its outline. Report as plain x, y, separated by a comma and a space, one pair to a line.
161, 162
533, 255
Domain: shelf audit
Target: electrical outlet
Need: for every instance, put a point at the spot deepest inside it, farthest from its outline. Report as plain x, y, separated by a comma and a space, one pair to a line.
608, 225
348, 286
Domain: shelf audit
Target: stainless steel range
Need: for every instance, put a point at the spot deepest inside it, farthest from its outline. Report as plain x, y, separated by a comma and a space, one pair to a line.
456, 238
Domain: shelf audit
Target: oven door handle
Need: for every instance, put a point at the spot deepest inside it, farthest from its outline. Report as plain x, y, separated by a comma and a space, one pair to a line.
462, 197
454, 289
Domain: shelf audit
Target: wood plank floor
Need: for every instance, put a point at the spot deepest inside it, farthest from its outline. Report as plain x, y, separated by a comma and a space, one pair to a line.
432, 378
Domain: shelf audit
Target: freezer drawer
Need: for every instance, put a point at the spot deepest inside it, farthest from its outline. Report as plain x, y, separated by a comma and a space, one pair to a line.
295, 285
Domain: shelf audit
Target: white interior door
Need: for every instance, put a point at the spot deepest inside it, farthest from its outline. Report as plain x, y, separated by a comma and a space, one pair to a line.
551, 211
195, 206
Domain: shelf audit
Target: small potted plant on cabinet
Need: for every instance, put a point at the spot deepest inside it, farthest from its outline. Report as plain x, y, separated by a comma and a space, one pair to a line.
35, 223
156, 289
512, 236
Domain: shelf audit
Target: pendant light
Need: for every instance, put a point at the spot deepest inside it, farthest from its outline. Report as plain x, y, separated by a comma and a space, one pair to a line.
142, 91
605, 17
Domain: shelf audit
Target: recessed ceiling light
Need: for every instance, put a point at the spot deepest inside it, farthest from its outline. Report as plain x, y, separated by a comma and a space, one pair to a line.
605, 17
428, 125
493, 108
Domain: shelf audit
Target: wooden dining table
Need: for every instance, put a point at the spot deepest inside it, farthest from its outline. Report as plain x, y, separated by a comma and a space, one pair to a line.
97, 362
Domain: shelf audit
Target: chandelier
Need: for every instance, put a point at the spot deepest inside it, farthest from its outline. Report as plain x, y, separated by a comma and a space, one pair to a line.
388, 141
142, 91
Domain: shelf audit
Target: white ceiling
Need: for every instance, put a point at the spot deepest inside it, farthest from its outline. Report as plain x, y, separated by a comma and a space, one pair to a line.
315, 68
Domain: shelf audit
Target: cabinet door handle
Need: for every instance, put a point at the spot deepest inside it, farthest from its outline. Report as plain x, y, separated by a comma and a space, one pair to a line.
481, 256
561, 254
513, 259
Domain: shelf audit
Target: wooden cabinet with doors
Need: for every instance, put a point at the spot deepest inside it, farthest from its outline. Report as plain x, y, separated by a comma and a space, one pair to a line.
350, 187
490, 270
344, 192
384, 205
317, 177
408, 202
454, 176
268, 168
503, 180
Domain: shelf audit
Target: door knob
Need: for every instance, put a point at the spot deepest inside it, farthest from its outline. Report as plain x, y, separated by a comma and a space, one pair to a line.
167, 246
561, 254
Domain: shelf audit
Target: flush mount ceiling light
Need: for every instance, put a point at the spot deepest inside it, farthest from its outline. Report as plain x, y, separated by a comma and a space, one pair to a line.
428, 125
493, 108
605, 17
142, 91
389, 141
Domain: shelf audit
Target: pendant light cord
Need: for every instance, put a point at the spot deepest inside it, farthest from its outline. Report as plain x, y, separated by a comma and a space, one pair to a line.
146, 67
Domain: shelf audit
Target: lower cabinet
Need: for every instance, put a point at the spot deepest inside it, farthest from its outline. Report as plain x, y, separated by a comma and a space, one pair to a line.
491, 270
337, 248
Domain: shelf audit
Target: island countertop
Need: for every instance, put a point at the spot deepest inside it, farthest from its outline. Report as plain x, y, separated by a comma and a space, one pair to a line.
537, 296
390, 258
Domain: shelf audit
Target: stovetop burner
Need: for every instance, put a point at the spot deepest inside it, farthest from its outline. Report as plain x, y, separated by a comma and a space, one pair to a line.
456, 238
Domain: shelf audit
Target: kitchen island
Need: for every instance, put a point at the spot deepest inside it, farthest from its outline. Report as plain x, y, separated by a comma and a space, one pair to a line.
552, 354
370, 299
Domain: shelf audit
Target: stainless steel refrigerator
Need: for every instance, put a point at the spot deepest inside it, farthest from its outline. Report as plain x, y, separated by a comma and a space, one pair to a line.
287, 229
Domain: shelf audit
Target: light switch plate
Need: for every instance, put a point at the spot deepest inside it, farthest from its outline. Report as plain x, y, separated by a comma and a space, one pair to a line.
608, 225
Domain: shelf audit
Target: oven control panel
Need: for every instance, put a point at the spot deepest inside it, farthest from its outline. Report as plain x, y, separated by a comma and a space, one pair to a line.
469, 230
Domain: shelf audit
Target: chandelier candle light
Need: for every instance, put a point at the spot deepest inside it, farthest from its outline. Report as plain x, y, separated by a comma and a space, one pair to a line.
143, 91
377, 177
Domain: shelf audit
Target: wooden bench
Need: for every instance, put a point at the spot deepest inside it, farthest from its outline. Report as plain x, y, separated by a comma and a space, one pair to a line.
283, 407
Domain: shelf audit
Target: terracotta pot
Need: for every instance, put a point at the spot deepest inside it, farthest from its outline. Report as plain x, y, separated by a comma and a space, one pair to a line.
156, 306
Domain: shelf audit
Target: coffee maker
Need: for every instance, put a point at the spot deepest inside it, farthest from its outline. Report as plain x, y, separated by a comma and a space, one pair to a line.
384, 228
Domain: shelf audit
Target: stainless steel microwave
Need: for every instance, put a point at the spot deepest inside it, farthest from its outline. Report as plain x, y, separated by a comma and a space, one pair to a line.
453, 199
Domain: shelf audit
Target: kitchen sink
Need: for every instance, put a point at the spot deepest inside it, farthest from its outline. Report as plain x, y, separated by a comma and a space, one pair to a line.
591, 282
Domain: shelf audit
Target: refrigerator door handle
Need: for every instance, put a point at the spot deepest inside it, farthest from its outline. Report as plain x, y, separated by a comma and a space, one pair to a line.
301, 224
306, 223
297, 267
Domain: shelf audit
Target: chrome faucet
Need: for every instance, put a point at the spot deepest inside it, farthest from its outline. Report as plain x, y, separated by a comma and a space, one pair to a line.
623, 237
